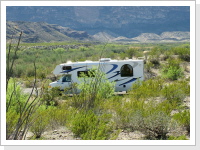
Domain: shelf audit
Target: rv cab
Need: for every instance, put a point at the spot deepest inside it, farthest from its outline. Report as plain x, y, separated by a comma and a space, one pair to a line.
63, 82
65, 78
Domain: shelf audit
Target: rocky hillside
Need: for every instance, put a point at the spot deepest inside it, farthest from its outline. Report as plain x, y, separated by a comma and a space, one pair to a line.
128, 22
34, 32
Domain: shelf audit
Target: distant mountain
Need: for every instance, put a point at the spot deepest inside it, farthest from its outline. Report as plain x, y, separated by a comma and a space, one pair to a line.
34, 32
176, 36
126, 21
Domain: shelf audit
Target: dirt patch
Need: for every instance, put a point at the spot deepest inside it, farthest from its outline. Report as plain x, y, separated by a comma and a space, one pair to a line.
136, 135
62, 133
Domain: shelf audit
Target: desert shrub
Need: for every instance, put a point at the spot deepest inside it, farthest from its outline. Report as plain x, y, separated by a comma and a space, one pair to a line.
19, 71
122, 55
58, 116
128, 114
41, 73
172, 73
28, 83
185, 54
156, 125
19, 111
49, 96
89, 126
145, 109
156, 52
136, 120
172, 70
11, 120
133, 52
148, 66
154, 55
122, 115
30, 72
183, 137
115, 106
176, 91
59, 50
183, 119
182, 52
95, 88
167, 55
15, 99
40, 122
146, 89
155, 62
151, 118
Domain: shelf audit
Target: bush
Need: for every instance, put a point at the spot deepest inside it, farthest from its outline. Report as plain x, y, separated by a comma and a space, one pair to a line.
167, 55
15, 99
41, 74
183, 137
94, 90
30, 72
152, 118
49, 118
183, 119
89, 126
156, 125
123, 115
58, 116
145, 114
19, 110
148, 66
133, 52
29, 83
172, 70
19, 71
154, 56
173, 73
176, 92
155, 62
182, 52
11, 120
40, 122
50, 95
146, 89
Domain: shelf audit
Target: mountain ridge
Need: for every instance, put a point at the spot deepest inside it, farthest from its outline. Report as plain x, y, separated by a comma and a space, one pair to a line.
125, 21
37, 32
34, 32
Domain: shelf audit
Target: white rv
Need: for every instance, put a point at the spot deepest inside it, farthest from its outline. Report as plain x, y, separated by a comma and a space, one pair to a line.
123, 72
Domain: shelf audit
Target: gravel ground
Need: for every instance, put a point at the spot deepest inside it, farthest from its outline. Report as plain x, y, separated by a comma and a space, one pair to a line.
62, 133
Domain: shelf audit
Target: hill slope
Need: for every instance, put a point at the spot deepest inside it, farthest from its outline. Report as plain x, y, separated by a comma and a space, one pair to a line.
34, 32
126, 21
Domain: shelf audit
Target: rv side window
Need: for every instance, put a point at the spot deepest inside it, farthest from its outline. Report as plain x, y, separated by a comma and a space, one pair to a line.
126, 70
85, 73
67, 67
66, 78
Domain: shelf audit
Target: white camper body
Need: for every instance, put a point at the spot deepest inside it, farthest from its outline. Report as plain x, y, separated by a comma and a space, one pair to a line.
123, 72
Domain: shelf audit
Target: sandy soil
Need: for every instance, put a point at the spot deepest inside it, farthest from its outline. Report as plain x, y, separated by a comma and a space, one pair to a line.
62, 133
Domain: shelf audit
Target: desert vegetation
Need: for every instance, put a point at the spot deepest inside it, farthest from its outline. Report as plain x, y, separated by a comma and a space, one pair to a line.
158, 107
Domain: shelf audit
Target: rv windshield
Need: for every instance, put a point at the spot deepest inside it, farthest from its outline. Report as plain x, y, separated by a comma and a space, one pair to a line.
66, 78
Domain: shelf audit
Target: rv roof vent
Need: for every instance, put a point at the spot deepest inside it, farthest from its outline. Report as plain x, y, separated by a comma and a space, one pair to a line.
105, 59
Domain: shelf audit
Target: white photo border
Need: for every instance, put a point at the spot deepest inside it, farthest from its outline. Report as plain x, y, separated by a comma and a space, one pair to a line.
5, 142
